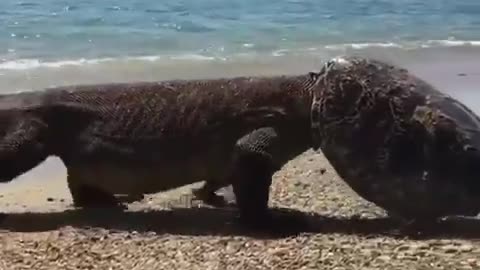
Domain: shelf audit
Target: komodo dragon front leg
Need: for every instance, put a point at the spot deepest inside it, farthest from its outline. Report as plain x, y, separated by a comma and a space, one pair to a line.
253, 166
257, 156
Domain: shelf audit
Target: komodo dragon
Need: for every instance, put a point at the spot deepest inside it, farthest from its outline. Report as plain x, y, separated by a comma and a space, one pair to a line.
146, 137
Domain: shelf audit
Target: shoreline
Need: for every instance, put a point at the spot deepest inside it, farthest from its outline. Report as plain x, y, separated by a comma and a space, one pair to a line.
447, 61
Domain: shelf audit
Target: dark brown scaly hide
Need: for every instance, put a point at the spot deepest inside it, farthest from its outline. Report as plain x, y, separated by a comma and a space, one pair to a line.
396, 140
145, 137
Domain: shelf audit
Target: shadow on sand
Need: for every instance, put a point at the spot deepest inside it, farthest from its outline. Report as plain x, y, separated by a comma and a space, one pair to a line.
210, 221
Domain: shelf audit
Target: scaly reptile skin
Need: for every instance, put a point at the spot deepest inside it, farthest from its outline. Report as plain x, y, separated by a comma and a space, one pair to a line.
396, 140
147, 137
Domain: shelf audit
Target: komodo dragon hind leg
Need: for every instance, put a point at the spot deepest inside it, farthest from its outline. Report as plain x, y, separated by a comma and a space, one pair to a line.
88, 196
22, 148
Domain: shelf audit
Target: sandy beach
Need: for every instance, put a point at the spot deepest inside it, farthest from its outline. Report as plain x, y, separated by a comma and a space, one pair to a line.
338, 229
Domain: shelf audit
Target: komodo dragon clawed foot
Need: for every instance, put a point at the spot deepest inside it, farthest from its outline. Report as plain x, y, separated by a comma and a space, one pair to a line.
90, 197
86, 193
251, 189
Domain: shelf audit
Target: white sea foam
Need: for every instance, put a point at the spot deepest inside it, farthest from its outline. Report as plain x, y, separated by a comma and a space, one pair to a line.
23, 64
280, 52
151, 58
450, 43
363, 45
192, 57
27, 64
410, 45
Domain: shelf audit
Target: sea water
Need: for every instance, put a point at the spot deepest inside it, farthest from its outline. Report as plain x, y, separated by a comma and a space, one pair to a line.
54, 42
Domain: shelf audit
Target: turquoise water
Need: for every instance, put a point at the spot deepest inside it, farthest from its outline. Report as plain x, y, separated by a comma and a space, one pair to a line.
58, 30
